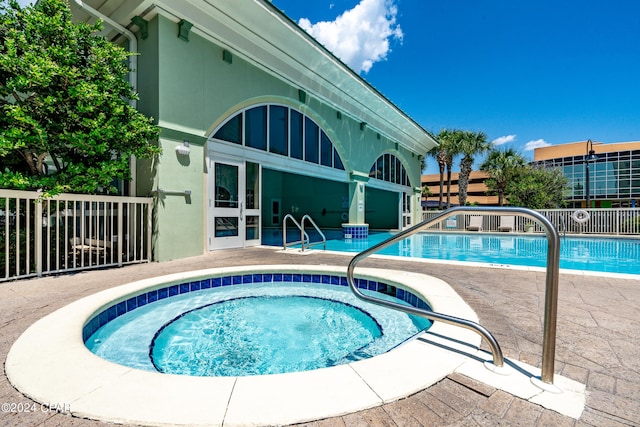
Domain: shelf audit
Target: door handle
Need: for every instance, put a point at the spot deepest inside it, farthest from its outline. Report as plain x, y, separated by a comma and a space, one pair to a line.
240, 211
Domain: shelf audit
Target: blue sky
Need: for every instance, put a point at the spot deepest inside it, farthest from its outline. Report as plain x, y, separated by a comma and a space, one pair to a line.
527, 73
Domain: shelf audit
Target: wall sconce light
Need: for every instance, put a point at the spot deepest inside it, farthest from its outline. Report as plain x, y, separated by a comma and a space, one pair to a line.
363, 125
183, 149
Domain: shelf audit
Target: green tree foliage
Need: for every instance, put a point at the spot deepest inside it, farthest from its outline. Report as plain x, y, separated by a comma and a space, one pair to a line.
537, 188
469, 145
502, 166
66, 124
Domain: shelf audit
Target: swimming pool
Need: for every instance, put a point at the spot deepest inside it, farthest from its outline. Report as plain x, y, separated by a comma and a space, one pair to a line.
595, 254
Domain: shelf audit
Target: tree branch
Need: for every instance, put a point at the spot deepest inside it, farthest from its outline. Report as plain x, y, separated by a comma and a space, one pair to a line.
40, 164
28, 157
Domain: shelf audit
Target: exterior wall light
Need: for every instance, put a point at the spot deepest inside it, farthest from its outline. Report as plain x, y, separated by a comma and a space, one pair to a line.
183, 149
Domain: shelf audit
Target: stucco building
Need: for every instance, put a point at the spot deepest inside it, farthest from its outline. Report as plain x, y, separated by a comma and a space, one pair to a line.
258, 120
476, 191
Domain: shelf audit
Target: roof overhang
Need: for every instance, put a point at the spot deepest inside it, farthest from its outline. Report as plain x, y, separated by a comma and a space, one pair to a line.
261, 34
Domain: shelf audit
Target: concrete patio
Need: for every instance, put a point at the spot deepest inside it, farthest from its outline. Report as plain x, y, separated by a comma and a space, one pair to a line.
597, 342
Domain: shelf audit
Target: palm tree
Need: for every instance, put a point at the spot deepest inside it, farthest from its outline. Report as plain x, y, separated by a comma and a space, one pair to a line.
471, 144
439, 152
502, 166
453, 138
444, 153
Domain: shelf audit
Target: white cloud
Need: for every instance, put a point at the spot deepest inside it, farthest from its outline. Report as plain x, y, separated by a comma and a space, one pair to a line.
360, 36
529, 146
503, 139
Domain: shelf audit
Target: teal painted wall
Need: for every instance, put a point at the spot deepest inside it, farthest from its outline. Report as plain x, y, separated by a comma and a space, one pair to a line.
147, 85
302, 195
190, 91
382, 209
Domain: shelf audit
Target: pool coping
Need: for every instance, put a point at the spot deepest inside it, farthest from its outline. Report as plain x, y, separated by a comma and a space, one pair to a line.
50, 364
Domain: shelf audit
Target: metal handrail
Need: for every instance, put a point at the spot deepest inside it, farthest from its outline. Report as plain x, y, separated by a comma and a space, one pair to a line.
303, 235
551, 292
309, 244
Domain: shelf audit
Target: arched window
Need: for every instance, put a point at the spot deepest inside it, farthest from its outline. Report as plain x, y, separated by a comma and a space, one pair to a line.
281, 130
389, 168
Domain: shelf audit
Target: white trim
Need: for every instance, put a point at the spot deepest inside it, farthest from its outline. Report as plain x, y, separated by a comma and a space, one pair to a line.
278, 161
237, 212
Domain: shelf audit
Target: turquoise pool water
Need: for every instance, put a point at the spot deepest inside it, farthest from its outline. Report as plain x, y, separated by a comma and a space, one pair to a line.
262, 335
610, 255
252, 329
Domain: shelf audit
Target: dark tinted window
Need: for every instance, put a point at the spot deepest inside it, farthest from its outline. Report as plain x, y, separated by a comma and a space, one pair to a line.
326, 150
256, 128
311, 143
296, 137
337, 161
231, 131
278, 130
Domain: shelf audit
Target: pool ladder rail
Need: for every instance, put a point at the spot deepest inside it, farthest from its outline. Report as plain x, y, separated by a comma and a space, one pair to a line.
305, 241
551, 293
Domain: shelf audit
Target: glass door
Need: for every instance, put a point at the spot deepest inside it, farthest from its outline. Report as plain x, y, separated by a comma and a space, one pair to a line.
406, 210
234, 211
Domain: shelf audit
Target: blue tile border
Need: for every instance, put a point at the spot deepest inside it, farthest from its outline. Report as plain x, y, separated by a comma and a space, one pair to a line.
360, 231
132, 303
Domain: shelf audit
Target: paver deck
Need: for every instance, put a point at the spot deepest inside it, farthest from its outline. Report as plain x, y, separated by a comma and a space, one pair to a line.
598, 337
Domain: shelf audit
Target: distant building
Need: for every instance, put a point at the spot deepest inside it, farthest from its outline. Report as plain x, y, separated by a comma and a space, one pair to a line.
476, 192
614, 173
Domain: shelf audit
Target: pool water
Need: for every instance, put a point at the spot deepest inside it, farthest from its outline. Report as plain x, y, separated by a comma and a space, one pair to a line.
253, 330
262, 335
610, 255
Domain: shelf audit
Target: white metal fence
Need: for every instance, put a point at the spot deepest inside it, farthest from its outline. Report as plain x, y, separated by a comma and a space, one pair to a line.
570, 221
71, 232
